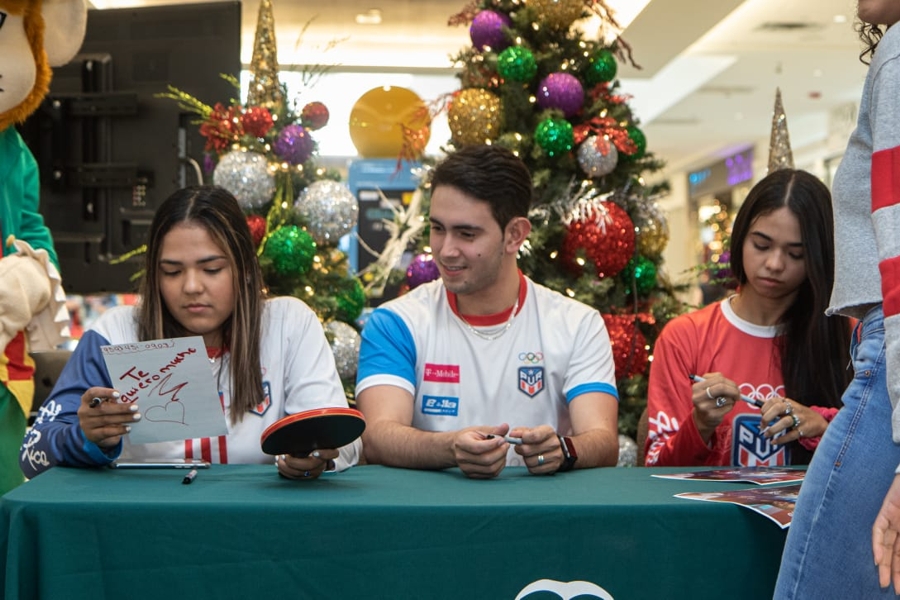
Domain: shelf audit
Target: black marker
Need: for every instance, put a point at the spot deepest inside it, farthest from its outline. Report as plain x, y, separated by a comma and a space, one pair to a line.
97, 401
753, 401
189, 477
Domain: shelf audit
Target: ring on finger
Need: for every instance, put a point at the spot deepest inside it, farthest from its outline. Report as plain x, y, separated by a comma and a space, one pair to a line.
708, 395
796, 421
799, 432
788, 409
540, 459
721, 401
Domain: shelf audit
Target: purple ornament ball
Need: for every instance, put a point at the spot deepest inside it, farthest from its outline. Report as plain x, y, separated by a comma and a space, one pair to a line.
724, 271
487, 30
561, 91
294, 144
421, 270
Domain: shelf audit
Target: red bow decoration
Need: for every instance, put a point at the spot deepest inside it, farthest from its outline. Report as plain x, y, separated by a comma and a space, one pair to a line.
601, 90
608, 127
222, 127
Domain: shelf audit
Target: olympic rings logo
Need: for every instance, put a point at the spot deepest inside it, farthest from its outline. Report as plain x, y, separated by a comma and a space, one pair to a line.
531, 357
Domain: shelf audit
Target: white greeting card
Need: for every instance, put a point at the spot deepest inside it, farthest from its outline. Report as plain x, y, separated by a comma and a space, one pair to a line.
172, 383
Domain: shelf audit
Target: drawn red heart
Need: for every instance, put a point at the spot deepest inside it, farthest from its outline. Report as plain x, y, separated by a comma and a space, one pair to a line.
161, 414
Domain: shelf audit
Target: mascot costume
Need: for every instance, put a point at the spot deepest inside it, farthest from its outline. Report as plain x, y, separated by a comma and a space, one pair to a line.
34, 35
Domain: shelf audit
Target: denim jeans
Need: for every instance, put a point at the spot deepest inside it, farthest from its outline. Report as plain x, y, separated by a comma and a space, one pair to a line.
828, 552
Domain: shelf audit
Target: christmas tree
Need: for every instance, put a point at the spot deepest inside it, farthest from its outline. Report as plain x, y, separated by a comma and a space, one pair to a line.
533, 82
264, 153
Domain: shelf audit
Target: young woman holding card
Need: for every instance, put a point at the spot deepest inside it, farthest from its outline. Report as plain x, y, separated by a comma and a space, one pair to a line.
769, 344
269, 357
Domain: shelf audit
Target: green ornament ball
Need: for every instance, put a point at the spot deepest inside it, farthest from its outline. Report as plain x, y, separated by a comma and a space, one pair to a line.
291, 250
640, 140
555, 136
351, 299
517, 64
642, 271
602, 67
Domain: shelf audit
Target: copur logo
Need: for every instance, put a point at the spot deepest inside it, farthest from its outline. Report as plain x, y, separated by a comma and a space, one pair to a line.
565, 589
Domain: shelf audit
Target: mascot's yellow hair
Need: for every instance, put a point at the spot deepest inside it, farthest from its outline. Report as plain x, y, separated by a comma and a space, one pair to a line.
34, 31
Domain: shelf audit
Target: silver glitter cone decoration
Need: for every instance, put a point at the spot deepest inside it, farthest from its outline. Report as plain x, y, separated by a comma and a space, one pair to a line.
780, 155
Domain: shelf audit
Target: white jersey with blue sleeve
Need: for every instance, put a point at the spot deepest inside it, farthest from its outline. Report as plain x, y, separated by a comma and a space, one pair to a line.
554, 350
298, 374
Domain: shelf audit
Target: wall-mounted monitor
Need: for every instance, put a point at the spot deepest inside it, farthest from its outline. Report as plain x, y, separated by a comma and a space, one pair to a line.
109, 150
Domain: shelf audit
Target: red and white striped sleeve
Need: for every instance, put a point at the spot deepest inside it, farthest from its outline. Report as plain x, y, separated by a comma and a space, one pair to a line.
885, 179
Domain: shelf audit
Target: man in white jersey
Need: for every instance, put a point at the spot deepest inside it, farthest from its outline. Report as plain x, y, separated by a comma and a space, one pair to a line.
451, 371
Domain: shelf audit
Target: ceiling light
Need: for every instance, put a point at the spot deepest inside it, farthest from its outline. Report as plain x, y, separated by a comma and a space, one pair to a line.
370, 17
840, 18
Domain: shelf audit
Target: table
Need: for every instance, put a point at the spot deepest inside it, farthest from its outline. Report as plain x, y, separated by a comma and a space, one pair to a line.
240, 531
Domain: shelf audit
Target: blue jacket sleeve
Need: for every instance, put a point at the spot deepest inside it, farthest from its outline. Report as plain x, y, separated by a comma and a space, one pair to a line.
56, 438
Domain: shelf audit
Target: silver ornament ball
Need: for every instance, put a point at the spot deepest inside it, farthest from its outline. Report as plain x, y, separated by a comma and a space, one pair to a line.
345, 346
246, 175
597, 156
330, 210
627, 452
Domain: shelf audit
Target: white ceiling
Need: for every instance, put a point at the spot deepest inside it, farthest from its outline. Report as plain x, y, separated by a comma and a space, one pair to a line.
710, 67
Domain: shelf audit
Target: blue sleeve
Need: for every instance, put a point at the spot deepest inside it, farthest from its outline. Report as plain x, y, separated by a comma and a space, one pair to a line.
56, 438
387, 348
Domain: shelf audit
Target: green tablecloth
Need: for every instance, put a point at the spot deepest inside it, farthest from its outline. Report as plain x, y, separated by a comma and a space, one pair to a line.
240, 531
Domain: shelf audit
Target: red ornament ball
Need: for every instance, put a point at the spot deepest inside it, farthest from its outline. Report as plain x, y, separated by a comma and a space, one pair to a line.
257, 225
257, 121
629, 346
314, 115
605, 236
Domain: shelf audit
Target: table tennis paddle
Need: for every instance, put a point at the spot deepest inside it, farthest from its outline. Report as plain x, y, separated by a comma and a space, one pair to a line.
301, 433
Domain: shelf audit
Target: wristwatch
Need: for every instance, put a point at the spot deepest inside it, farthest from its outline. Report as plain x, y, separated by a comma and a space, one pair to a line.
569, 454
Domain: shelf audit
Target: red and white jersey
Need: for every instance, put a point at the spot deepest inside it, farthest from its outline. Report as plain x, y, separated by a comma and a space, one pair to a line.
712, 340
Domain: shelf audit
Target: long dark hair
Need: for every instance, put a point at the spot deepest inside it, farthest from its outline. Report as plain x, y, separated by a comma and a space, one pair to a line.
813, 348
217, 211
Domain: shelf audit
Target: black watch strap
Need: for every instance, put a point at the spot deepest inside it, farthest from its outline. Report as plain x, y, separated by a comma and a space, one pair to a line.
569, 454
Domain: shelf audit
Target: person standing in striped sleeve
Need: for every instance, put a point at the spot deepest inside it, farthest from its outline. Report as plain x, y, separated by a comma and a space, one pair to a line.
844, 541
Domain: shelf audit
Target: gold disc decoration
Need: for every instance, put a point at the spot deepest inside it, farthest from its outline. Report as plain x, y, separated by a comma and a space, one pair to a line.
265, 89
474, 117
388, 122
557, 14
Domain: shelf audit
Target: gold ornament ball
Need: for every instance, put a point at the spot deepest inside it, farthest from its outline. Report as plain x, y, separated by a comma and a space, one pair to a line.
474, 117
557, 14
381, 118
653, 236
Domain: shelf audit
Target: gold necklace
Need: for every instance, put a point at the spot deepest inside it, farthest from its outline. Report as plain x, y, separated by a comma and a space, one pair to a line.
484, 336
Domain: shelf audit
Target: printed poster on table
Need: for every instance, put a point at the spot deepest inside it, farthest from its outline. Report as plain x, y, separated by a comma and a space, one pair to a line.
757, 475
173, 385
775, 503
